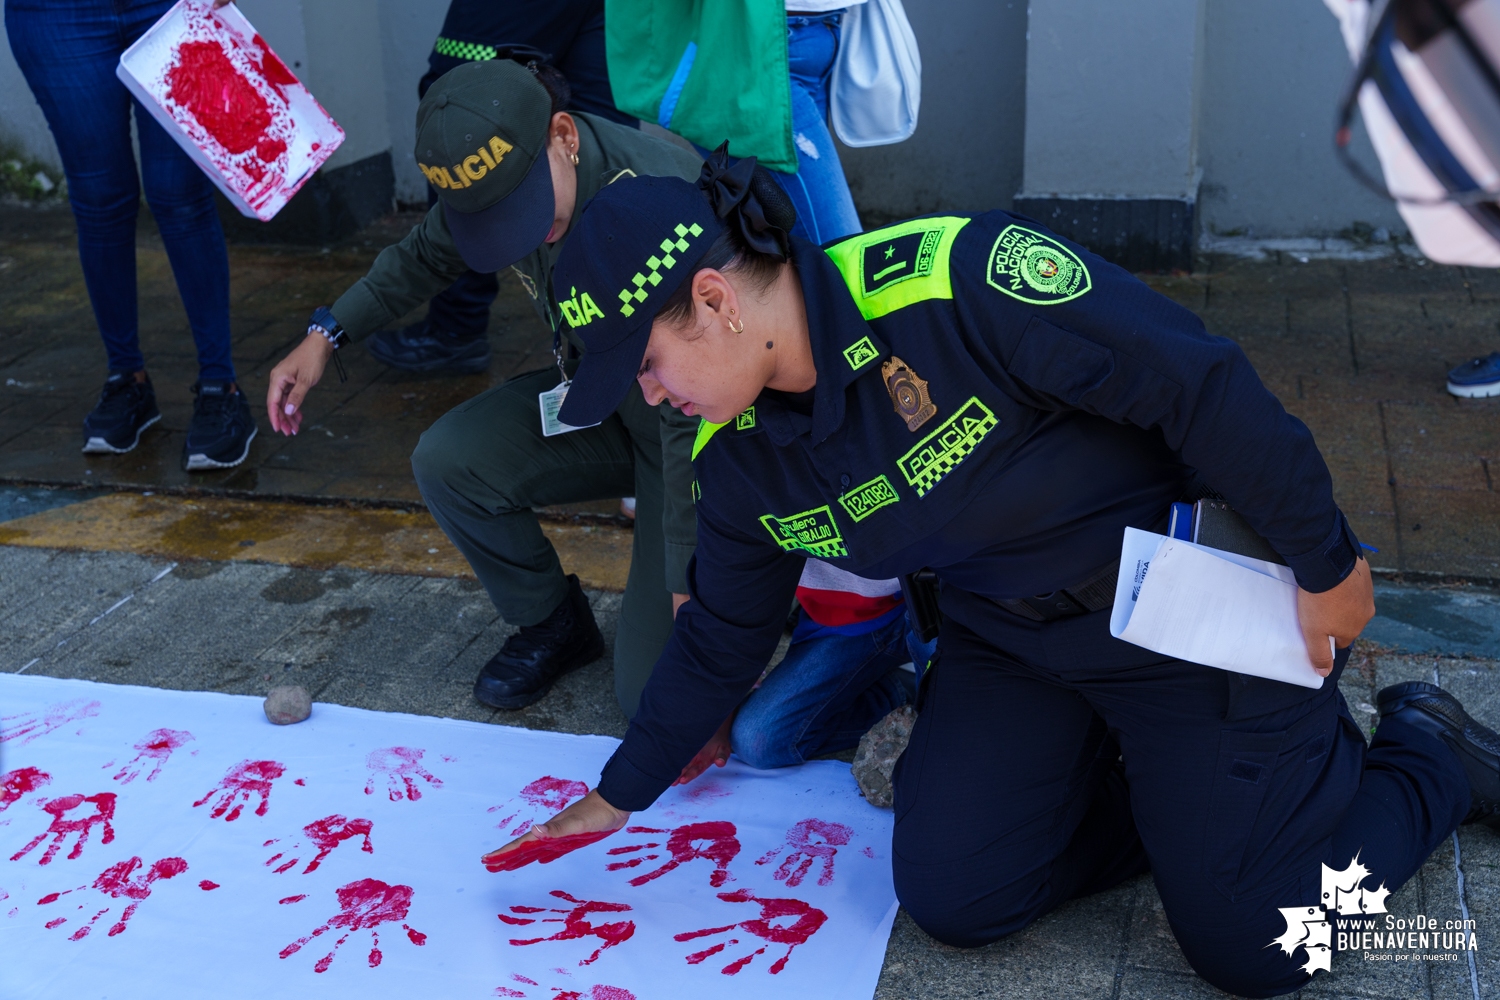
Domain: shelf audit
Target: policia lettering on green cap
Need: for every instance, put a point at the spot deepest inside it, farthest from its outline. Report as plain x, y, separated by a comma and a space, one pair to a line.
975, 395
512, 173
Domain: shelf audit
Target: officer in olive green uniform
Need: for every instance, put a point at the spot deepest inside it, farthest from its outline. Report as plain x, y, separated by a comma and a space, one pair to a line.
488, 139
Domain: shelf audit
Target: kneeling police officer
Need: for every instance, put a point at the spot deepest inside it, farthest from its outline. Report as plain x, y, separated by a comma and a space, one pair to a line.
973, 394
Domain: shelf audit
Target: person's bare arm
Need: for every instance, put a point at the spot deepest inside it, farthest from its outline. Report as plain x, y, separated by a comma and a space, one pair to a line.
298, 372
1342, 612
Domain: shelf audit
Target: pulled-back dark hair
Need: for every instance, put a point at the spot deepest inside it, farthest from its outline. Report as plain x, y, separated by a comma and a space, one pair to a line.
754, 243
549, 76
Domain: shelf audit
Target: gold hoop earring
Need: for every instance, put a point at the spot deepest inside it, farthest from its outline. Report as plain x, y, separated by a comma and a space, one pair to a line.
575, 159
736, 330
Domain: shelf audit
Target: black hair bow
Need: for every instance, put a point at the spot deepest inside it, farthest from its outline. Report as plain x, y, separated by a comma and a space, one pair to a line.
746, 197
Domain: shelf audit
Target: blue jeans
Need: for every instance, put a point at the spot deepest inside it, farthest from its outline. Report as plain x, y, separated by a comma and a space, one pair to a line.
825, 209
825, 695
68, 52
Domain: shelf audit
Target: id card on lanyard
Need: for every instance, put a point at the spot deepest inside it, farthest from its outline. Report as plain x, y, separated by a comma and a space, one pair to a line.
550, 402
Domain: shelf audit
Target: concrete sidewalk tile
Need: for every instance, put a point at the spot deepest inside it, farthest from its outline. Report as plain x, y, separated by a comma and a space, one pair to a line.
1153, 984
1441, 447
1450, 531
1479, 847
1151, 944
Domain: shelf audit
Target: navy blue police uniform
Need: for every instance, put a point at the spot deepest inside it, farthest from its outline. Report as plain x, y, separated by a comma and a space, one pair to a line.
998, 404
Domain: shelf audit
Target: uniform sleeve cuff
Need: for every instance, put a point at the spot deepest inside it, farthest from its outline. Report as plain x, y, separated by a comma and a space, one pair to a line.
358, 312
677, 559
1326, 566
626, 787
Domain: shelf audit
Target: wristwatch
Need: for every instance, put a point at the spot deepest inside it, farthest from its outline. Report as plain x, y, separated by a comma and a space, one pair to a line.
324, 324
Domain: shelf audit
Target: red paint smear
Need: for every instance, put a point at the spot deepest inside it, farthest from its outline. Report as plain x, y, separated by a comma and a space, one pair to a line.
156, 748
301, 781
272, 67
610, 993
205, 83
54, 717
22, 781
805, 849
506, 991
522, 979
399, 765
292, 899
722, 847
808, 920
55, 923
575, 926
868, 852
247, 778
544, 849
326, 834
553, 793
363, 905
104, 811
208, 886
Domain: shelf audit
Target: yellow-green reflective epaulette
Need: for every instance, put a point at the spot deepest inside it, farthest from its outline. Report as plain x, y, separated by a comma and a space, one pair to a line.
706, 431
898, 266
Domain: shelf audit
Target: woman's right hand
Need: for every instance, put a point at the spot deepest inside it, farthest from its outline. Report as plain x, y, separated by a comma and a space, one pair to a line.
298, 372
586, 821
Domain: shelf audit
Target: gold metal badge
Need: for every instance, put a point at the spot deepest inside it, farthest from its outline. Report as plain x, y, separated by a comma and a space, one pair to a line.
908, 392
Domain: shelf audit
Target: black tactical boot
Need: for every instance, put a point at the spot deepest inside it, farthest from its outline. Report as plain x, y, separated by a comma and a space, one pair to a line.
537, 655
1433, 710
421, 348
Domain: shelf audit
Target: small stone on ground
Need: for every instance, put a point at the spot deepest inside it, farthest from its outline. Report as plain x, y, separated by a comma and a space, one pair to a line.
288, 704
878, 752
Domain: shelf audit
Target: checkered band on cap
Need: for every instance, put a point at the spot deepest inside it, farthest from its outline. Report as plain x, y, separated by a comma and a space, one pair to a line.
629, 296
455, 49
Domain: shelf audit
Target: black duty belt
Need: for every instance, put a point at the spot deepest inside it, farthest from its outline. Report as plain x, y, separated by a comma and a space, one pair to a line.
1094, 594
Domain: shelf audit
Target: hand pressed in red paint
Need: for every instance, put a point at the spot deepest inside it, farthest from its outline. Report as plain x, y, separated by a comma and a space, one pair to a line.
156, 747
324, 834
715, 752
291, 380
716, 841
808, 840
243, 780
588, 820
21, 729
86, 811
15, 785
399, 765
597, 992
116, 882
575, 924
782, 921
363, 905
543, 797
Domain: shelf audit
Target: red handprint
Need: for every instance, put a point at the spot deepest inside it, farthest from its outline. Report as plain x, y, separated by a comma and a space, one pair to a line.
722, 847
33, 725
804, 848
247, 778
574, 924
399, 765
545, 796
116, 882
599, 992
101, 809
325, 834
363, 905
808, 920
157, 747
14, 785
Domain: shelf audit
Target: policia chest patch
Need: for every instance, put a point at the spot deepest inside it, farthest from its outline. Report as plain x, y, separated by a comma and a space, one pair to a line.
1036, 269
940, 452
812, 531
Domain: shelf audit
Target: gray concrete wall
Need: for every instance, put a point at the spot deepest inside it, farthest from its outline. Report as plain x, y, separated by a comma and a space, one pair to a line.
407, 28
21, 123
1275, 70
967, 150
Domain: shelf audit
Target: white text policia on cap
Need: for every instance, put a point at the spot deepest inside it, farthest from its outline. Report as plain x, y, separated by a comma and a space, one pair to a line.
471, 168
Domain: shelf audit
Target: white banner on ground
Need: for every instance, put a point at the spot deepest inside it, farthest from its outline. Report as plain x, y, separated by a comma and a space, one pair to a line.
175, 844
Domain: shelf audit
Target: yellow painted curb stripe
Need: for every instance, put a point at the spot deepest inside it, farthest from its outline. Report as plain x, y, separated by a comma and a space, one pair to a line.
379, 541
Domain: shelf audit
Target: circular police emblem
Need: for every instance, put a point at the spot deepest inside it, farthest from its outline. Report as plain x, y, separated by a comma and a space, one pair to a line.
1047, 271
1036, 268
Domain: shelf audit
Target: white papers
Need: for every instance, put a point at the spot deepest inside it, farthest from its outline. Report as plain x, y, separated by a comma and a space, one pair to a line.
370, 825
1207, 606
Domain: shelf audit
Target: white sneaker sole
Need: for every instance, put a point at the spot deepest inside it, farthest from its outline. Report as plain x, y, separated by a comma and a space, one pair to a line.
197, 463
99, 446
1482, 391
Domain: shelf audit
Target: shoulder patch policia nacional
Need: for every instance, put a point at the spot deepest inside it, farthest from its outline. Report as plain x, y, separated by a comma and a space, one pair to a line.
1036, 269
898, 266
812, 531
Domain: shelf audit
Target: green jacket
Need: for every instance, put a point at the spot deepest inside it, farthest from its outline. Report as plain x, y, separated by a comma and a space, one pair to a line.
424, 263
709, 70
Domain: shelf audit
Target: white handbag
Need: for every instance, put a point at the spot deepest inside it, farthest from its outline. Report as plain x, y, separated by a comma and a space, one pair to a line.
877, 78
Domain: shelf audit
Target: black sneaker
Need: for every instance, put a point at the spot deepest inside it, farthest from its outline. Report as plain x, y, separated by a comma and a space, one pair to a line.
125, 408
537, 655
1433, 710
418, 348
223, 427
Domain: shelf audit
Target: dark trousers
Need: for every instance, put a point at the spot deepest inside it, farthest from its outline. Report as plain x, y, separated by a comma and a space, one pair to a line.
1012, 797
68, 53
573, 34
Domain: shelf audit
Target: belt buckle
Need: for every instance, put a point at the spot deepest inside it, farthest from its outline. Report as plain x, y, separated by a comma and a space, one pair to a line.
1054, 606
